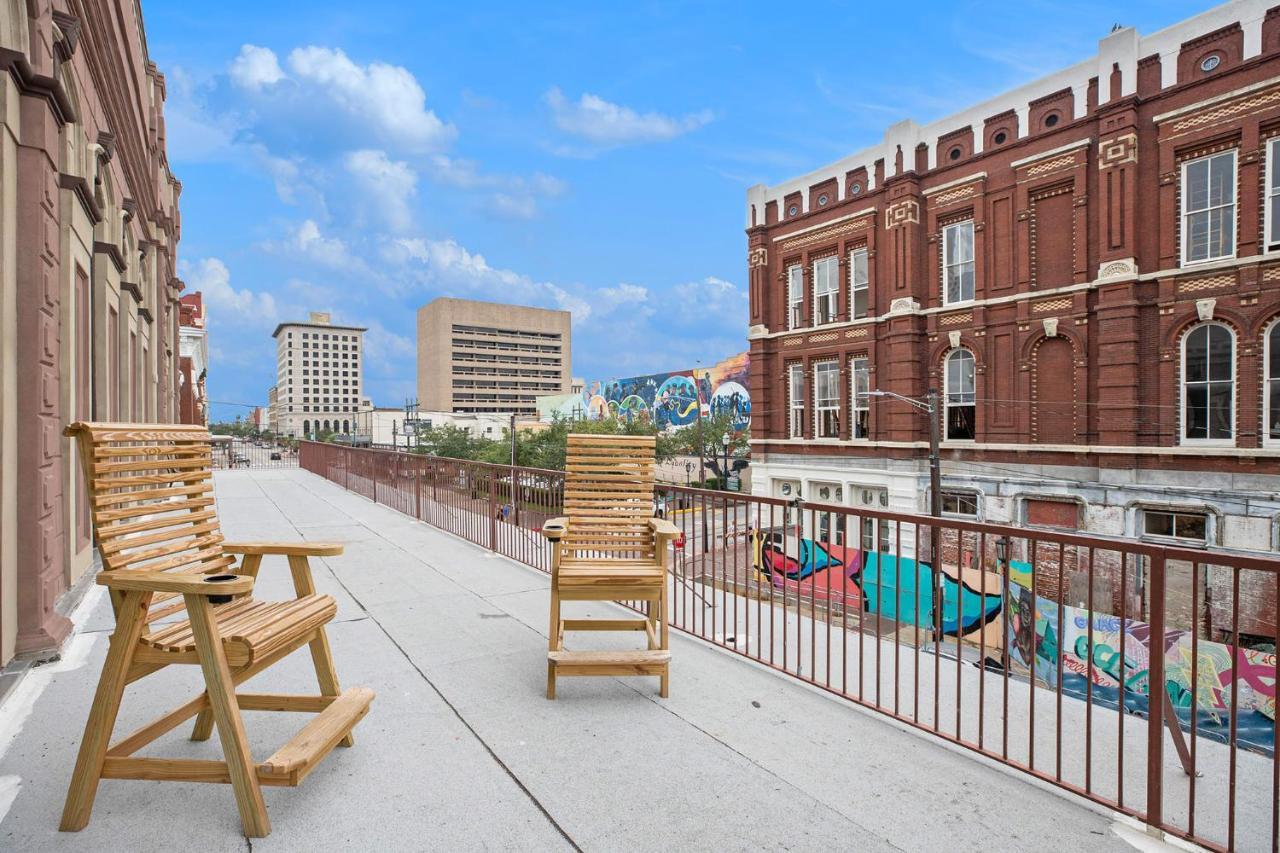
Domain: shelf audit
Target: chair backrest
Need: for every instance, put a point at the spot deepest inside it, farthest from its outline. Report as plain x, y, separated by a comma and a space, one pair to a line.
151, 497
608, 497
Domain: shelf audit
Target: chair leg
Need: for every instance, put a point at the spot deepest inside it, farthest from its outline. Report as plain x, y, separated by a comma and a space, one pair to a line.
204, 725
553, 642
321, 654
102, 714
326, 673
664, 689
226, 716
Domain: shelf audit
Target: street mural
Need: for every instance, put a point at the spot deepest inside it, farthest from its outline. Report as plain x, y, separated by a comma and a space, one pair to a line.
1115, 655
1101, 648
669, 399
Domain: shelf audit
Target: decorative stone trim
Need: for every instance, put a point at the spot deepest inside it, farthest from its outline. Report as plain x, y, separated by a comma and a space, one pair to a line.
856, 333
902, 212
1055, 165
823, 337
1118, 151
825, 235
112, 251
757, 257
1123, 268
1213, 282
956, 319
134, 289
1051, 305
1228, 111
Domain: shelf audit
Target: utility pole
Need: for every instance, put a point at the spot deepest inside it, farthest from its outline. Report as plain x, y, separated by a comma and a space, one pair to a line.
697, 400
935, 460
513, 443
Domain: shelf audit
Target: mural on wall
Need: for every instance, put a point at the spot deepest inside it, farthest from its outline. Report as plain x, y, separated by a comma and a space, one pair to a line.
1121, 655
1038, 632
669, 399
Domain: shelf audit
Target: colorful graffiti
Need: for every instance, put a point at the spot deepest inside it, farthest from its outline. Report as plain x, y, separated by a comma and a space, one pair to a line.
670, 399
1115, 656
822, 572
1042, 636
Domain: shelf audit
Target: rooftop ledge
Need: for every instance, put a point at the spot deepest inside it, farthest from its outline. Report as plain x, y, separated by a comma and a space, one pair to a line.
462, 751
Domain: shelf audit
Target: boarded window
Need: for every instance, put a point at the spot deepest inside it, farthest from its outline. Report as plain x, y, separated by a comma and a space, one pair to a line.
1047, 513
1055, 250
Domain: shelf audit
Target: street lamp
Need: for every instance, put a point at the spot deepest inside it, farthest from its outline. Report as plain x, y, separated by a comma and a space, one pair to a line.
724, 443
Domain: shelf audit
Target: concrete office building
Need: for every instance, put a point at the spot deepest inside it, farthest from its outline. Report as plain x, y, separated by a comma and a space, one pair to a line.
318, 376
489, 358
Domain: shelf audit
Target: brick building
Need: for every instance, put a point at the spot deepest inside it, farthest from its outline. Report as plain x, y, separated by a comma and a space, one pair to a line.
1087, 268
89, 228
193, 360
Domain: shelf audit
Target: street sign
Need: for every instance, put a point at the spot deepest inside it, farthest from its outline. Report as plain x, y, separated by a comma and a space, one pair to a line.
734, 483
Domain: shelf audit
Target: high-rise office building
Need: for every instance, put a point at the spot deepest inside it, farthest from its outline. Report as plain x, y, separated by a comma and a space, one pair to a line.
318, 376
486, 357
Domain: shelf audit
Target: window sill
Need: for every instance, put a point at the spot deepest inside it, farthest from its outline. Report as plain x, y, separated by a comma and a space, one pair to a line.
1207, 442
1185, 264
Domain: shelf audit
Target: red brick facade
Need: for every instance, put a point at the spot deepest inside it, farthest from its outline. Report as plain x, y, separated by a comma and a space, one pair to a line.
1081, 297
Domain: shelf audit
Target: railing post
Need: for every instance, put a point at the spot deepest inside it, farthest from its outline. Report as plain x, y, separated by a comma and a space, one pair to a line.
417, 489
493, 510
1155, 693
346, 470
376, 467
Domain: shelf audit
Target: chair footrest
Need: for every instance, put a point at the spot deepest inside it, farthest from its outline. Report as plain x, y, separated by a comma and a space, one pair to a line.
643, 662
292, 762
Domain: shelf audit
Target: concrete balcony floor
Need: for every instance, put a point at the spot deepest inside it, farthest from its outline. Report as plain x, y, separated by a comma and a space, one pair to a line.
462, 751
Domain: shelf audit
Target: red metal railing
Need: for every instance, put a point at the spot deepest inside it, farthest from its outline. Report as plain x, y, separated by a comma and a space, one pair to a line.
1034, 647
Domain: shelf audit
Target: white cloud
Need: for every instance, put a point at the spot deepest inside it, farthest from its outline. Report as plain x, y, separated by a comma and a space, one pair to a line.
605, 123
211, 277
513, 197
390, 183
255, 67
447, 264
387, 96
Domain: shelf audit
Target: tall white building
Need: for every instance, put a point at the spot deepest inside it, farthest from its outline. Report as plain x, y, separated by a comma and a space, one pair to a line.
319, 369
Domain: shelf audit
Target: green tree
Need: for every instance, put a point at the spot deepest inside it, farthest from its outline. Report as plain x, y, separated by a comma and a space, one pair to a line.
685, 442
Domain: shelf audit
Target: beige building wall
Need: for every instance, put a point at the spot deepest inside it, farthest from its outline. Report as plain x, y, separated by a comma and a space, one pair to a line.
319, 377
490, 358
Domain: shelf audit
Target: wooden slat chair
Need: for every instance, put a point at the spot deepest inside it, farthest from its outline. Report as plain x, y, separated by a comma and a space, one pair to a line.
609, 547
152, 505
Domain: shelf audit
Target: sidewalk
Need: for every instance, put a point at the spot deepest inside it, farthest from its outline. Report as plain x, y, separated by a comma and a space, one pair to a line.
461, 750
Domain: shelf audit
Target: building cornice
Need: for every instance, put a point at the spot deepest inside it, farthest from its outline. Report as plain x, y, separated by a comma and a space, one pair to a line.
112, 251
1031, 449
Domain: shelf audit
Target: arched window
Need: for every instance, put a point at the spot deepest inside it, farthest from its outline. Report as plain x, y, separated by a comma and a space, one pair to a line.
306, 429
961, 396
346, 427
1208, 383
327, 427
1271, 385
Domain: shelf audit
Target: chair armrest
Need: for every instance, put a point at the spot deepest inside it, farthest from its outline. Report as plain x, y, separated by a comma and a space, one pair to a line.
299, 549
554, 528
188, 584
664, 529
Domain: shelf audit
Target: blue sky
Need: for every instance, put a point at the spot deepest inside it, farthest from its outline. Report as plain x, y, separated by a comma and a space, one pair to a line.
366, 158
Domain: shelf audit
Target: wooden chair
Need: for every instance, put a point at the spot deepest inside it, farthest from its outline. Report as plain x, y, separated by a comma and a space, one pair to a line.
609, 547
152, 505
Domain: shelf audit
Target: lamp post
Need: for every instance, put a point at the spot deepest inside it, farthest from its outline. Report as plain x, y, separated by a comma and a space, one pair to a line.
688, 474
724, 472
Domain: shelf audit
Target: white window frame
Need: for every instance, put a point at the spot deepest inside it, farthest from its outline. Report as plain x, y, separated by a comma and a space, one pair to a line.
825, 405
1182, 389
859, 283
948, 404
948, 234
1267, 379
795, 296
1184, 213
1269, 191
972, 494
859, 401
829, 282
1210, 525
795, 422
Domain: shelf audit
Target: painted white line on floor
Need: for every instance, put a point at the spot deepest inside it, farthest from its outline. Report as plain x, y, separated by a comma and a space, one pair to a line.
17, 706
